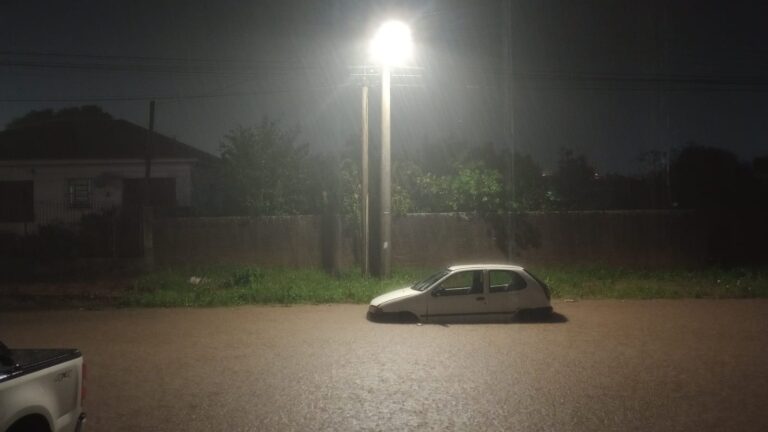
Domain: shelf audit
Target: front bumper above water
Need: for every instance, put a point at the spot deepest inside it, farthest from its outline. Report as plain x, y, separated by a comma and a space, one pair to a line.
80, 425
376, 314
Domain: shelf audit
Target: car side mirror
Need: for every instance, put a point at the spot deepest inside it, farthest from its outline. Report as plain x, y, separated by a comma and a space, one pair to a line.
437, 292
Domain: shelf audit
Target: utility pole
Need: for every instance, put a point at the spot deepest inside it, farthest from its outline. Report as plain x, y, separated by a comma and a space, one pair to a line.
147, 216
386, 177
148, 154
668, 183
509, 123
365, 253
662, 114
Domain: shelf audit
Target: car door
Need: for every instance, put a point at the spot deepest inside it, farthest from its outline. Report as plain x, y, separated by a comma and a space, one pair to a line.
460, 295
505, 289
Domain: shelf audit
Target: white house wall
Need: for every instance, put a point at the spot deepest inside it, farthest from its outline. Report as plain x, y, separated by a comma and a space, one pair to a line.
51, 182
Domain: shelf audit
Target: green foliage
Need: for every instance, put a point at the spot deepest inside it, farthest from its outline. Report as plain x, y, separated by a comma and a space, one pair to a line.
349, 183
455, 178
244, 277
405, 193
263, 171
471, 188
465, 178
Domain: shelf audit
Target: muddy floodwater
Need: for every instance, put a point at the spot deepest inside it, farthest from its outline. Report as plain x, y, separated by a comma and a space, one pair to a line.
677, 365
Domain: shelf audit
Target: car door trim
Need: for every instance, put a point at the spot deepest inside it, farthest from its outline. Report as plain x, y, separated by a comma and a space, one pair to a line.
469, 314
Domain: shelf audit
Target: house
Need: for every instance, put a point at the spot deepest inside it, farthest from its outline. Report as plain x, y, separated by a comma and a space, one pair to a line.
58, 171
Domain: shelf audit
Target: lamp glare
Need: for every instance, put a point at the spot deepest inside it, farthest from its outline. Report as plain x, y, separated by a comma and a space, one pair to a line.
392, 45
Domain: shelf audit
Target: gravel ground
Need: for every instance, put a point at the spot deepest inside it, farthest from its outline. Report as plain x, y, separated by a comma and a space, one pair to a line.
692, 365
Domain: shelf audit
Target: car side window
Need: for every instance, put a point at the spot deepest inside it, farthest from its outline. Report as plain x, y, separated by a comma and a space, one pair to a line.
462, 283
505, 281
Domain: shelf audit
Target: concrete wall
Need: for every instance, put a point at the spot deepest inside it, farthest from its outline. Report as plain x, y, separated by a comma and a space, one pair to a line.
626, 238
282, 241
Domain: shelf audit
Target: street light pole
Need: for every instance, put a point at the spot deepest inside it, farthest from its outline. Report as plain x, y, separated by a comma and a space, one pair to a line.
364, 201
509, 129
390, 47
386, 193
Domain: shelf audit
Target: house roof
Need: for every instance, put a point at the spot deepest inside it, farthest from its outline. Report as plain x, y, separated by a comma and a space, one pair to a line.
101, 139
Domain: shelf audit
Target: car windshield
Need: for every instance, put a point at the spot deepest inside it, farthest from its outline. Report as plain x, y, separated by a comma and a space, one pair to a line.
426, 283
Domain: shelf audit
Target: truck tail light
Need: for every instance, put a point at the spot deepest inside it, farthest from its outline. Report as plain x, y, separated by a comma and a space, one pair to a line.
83, 375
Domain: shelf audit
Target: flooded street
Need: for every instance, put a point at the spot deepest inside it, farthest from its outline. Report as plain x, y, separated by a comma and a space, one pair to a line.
659, 365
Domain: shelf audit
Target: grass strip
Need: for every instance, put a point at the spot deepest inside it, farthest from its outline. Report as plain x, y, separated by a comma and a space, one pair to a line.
241, 285
620, 283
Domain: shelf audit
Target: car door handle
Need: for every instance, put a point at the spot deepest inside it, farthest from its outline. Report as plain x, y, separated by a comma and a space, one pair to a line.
480, 298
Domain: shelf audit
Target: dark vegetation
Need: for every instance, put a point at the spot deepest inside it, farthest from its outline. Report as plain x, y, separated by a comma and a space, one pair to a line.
264, 171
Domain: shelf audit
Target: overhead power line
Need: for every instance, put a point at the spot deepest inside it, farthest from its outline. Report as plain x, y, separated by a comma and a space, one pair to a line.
162, 68
179, 97
650, 78
291, 63
176, 65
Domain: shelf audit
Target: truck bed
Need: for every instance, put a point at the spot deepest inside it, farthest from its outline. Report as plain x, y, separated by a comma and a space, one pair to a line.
18, 362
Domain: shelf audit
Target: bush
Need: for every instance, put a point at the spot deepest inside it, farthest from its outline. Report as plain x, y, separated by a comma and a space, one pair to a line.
244, 277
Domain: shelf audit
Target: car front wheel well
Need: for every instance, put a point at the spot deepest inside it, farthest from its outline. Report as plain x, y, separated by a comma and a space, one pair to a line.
394, 317
406, 316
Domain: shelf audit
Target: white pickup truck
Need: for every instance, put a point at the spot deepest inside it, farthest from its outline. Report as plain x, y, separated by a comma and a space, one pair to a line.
41, 390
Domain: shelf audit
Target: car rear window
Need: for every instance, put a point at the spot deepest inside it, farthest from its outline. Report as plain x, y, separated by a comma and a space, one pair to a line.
544, 286
505, 280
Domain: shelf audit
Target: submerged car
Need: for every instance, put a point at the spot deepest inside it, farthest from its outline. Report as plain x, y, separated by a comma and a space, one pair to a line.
467, 292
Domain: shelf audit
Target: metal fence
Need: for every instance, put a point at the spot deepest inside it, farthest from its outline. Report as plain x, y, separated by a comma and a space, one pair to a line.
63, 213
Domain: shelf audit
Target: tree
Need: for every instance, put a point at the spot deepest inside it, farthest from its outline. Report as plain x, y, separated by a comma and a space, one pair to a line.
83, 113
472, 187
709, 177
654, 179
264, 171
573, 181
530, 186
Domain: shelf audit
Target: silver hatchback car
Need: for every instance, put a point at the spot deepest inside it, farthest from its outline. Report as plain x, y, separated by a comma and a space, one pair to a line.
482, 292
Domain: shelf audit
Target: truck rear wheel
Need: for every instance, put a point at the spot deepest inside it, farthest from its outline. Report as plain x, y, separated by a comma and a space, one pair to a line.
32, 423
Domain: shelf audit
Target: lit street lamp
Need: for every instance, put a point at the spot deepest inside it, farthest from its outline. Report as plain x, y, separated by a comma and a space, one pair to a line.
391, 47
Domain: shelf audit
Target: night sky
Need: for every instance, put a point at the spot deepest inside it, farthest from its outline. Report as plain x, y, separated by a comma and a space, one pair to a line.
610, 79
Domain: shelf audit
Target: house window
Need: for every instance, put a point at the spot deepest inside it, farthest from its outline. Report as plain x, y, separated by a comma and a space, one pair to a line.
80, 193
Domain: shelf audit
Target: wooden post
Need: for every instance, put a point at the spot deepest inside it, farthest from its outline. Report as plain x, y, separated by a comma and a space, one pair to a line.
148, 240
148, 155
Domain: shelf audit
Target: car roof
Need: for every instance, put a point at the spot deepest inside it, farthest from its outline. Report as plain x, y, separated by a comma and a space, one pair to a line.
484, 267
